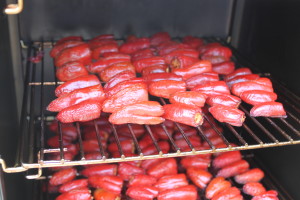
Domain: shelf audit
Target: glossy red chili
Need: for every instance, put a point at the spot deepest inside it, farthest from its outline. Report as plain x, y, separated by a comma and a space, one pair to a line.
138, 130
218, 51
99, 51
164, 167
77, 96
92, 145
199, 177
193, 42
238, 72
268, 109
114, 69
224, 99
63, 176
79, 194
226, 158
182, 61
68, 38
233, 169
161, 76
73, 185
102, 63
268, 195
101, 194
238, 88
84, 111
71, 70
103, 169
255, 97
194, 69
124, 84
109, 183
216, 186
224, 68
80, 53
142, 53
146, 62
181, 193
232, 193
93, 44
194, 140
254, 189
160, 132
142, 192
213, 88
171, 182
118, 78
151, 148
133, 46
116, 55
196, 162
67, 44
77, 83
141, 180
166, 49
242, 78
230, 115
185, 114
158, 38
154, 69
189, 98
165, 88
103, 37
130, 95
252, 175
201, 79
205, 47
185, 52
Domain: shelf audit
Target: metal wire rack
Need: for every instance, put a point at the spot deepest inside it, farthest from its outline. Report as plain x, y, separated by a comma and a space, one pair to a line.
40, 82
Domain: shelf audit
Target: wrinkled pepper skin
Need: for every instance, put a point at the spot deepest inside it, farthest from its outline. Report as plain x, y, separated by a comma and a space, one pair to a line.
122, 85
238, 88
185, 52
70, 71
193, 42
199, 177
232, 193
110, 183
84, 111
181, 61
224, 100
126, 170
151, 149
188, 97
252, 175
166, 167
103, 169
185, 114
215, 59
165, 88
268, 195
171, 182
168, 48
160, 37
242, 78
161, 76
79, 194
131, 47
126, 145
77, 96
101, 194
204, 48
233, 169
77, 83
103, 37
218, 51
213, 88
232, 116
201, 79
154, 69
142, 192
226, 158
67, 44
69, 38
146, 62
80, 53
102, 63
199, 67
118, 78
268, 109
105, 48
130, 95
181, 193
142, 53
255, 97
73, 185
224, 68
215, 186
254, 189
93, 44
63, 176
116, 55
142, 180
238, 72
112, 70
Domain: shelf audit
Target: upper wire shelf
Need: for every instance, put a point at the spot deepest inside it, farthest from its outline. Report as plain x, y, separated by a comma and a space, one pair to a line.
40, 83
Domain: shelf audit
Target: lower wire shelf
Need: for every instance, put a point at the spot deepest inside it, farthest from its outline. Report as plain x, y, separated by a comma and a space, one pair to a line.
40, 82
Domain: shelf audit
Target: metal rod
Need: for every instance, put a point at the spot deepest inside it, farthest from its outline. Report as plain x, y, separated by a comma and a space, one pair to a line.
99, 139
136, 143
259, 125
170, 137
81, 150
252, 133
153, 139
290, 126
236, 134
282, 132
203, 136
118, 141
42, 141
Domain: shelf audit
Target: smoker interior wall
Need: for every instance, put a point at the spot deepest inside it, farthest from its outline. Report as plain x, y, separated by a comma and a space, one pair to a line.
269, 37
48, 20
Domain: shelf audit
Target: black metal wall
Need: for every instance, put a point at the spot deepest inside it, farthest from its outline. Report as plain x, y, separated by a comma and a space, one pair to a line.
54, 19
